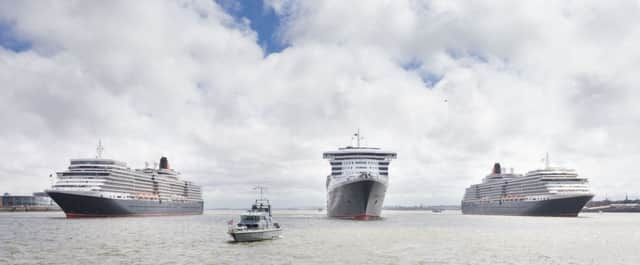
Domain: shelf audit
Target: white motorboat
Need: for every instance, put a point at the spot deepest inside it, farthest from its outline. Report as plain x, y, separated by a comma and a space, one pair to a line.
256, 224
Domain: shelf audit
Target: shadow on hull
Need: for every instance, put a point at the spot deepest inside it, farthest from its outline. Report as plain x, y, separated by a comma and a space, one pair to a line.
564, 207
360, 200
81, 206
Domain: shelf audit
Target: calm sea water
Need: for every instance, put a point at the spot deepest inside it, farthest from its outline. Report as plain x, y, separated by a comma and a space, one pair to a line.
311, 238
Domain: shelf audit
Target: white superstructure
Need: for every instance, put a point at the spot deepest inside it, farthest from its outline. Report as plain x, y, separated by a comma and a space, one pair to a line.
113, 179
349, 164
108, 178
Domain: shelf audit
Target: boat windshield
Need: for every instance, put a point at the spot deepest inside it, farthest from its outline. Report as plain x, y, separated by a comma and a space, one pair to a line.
251, 218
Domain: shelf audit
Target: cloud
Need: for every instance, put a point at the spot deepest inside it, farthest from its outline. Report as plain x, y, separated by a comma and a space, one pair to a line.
451, 86
520, 79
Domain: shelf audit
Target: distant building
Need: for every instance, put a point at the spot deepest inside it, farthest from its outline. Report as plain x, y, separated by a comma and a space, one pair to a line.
37, 200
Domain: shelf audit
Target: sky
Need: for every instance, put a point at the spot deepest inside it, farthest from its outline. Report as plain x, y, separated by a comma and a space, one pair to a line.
245, 93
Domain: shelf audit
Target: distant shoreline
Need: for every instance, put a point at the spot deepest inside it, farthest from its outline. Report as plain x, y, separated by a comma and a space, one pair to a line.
622, 206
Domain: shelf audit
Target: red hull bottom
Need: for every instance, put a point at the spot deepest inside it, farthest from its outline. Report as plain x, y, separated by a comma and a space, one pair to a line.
359, 217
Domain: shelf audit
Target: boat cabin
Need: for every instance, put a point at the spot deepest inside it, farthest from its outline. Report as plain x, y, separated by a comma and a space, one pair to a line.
253, 220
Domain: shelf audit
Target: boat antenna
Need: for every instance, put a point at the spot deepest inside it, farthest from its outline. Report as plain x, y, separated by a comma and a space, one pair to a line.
99, 149
261, 191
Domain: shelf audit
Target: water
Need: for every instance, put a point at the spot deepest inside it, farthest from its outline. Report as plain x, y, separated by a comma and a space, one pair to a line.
311, 238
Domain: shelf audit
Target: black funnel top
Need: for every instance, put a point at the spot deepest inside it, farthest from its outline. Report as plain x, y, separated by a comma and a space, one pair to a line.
164, 163
497, 169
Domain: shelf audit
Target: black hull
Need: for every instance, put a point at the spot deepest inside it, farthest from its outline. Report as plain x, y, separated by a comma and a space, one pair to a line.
76, 205
357, 200
569, 207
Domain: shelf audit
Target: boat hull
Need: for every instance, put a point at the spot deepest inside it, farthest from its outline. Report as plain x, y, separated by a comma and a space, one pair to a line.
566, 206
357, 200
248, 235
77, 205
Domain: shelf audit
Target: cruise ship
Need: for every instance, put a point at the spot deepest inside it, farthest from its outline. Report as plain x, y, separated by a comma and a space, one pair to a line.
552, 191
98, 187
358, 182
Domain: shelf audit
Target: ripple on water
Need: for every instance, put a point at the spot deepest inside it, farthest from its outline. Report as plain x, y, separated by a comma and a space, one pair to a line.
311, 238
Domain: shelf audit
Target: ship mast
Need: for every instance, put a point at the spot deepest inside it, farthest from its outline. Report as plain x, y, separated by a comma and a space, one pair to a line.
358, 138
99, 149
546, 161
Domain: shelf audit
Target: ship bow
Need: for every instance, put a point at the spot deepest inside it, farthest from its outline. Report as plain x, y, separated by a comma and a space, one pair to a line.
360, 200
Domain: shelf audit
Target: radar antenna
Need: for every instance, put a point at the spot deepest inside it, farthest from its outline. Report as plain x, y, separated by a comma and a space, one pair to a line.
358, 137
99, 149
260, 190
51, 179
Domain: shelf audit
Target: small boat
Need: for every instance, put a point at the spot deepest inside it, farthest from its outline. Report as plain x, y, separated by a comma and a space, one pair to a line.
256, 224
436, 210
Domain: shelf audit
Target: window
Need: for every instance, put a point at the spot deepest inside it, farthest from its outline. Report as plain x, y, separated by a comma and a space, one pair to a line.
92, 162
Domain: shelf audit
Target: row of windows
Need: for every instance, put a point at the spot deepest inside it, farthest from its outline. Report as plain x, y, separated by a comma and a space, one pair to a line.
129, 183
93, 162
85, 174
352, 158
363, 154
356, 163
528, 190
340, 173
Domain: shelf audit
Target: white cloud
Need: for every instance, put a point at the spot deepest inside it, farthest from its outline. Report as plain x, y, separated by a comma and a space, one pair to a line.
511, 81
521, 79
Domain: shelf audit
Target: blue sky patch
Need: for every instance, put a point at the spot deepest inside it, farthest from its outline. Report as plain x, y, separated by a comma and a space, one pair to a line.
429, 79
458, 54
413, 64
9, 40
263, 20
